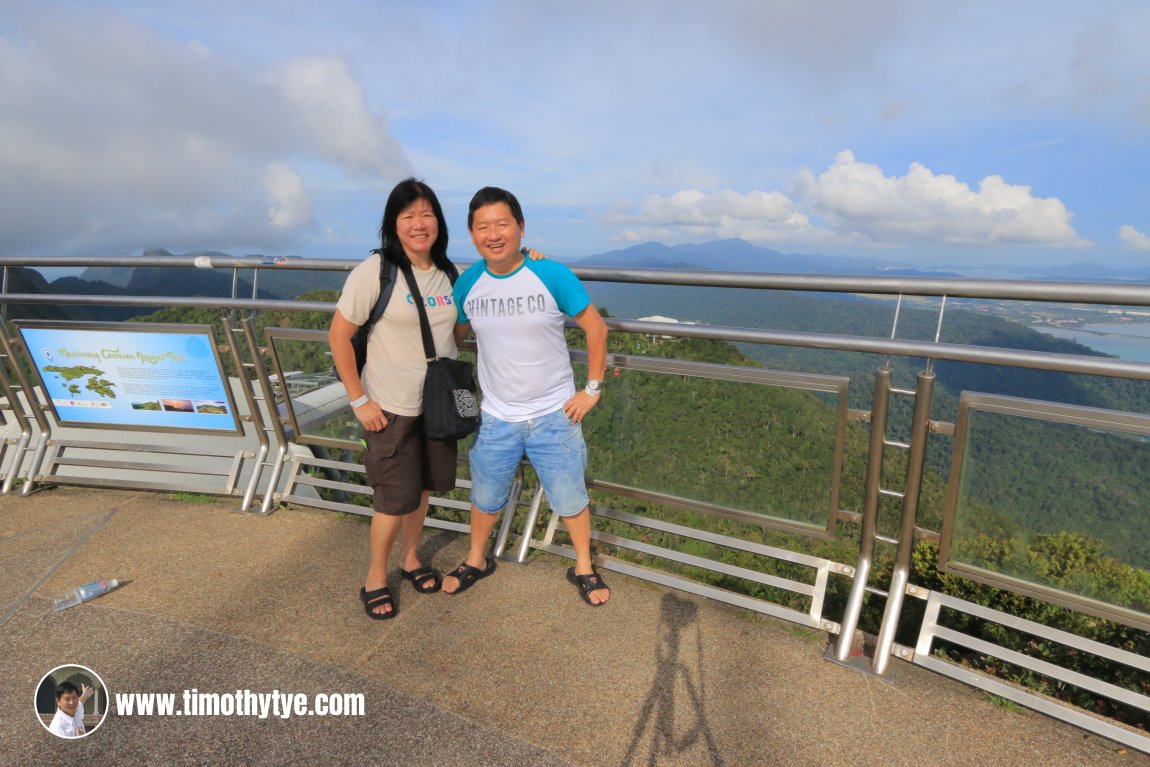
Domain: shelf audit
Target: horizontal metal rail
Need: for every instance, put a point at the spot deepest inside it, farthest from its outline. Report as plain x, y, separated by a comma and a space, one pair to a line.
1069, 363
932, 631
1123, 294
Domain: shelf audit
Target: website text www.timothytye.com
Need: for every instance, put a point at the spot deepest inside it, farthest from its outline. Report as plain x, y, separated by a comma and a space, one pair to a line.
263, 705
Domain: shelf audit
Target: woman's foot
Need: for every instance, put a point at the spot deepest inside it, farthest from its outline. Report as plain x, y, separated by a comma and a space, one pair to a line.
378, 603
426, 580
379, 606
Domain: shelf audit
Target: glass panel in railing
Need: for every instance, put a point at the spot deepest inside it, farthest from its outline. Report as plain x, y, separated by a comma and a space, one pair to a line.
763, 449
306, 378
1059, 505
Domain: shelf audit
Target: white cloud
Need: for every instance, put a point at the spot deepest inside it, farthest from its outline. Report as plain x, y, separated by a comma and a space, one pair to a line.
114, 137
289, 203
858, 198
327, 106
1134, 239
694, 215
854, 203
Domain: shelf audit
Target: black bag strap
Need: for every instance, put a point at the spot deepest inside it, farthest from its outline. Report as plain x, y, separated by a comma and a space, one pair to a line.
387, 273
424, 324
388, 270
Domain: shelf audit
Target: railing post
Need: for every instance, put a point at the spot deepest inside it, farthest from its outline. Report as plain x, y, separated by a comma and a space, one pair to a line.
267, 396
916, 459
29, 411
254, 415
504, 532
879, 413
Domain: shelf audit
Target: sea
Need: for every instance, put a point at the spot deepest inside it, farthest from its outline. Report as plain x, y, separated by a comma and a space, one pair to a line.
1127, 340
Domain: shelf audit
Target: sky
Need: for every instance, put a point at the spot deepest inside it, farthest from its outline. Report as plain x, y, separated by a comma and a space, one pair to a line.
969, 134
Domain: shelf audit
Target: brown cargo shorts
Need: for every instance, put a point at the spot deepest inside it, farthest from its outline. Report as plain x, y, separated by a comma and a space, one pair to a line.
401, 463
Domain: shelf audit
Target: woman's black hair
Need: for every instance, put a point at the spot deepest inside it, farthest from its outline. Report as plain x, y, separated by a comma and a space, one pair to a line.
406, 192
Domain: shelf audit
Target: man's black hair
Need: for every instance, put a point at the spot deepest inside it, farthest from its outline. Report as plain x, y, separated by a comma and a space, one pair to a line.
65, 687
489, 195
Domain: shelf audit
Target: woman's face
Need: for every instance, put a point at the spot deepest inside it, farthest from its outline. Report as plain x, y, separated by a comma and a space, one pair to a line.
417, 229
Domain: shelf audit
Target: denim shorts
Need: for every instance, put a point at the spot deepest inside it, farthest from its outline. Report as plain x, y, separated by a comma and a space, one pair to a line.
555, 448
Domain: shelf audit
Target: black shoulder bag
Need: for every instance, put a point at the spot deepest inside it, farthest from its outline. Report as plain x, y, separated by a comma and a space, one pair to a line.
450, 411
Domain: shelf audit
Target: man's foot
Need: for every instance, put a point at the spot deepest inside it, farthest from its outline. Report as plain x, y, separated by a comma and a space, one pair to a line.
592, 588
464, 577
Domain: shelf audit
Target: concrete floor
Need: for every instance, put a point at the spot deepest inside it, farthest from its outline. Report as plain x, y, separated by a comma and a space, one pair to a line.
518, 671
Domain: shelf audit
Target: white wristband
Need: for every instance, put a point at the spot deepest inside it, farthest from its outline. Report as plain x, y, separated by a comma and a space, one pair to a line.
358, 402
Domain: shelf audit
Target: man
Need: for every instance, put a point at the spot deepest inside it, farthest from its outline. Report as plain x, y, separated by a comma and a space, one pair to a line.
69, 719
517, 308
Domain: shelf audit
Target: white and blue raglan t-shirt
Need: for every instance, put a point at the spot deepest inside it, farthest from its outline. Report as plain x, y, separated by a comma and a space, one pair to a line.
524, 367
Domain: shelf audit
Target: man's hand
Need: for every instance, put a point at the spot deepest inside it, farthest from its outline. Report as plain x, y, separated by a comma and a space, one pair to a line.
86, 692
580, 405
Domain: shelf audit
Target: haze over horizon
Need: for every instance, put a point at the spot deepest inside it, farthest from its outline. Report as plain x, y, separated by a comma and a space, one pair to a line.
976, 136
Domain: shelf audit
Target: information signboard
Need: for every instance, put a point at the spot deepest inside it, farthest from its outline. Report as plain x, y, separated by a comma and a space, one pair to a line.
131, 375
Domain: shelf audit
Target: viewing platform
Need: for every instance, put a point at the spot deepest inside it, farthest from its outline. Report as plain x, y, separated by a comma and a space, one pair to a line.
840, 528
517, 671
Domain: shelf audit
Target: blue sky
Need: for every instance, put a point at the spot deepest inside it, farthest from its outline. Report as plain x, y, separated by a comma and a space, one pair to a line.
969, 134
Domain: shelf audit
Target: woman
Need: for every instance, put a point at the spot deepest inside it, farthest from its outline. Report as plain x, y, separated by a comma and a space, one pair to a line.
402, 464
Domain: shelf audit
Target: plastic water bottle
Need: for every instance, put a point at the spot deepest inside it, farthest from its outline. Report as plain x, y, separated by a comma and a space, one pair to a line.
83, 594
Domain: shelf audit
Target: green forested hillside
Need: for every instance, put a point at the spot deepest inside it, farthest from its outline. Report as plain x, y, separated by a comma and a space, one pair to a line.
24, 280
1036, 477
292, 356
1021, 493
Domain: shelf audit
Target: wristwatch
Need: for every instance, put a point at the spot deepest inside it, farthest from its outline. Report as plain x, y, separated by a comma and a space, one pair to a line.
594, 387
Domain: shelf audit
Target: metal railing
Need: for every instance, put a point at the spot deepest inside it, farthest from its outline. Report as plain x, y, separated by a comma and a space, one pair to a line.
780, 577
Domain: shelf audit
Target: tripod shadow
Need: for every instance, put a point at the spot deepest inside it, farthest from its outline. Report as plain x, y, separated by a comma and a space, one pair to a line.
660, 731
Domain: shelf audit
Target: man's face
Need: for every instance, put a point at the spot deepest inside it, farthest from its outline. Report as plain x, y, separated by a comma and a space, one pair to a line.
496, 233
68, 702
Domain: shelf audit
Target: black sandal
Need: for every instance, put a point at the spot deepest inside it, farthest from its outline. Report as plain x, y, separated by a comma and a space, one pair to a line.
378, 598
588, 583
426, 580
468, 575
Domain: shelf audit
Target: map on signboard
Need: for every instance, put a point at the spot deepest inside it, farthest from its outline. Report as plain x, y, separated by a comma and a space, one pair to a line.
72, 376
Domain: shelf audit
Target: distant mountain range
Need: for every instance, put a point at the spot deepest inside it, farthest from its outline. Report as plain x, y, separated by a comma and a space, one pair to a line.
158, 281
742, 256
721, 255
1087, 272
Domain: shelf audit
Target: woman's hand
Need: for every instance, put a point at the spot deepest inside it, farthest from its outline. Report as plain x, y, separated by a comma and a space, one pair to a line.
371, 416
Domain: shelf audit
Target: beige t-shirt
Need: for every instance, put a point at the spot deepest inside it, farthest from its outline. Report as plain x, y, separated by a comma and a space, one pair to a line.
396, 364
